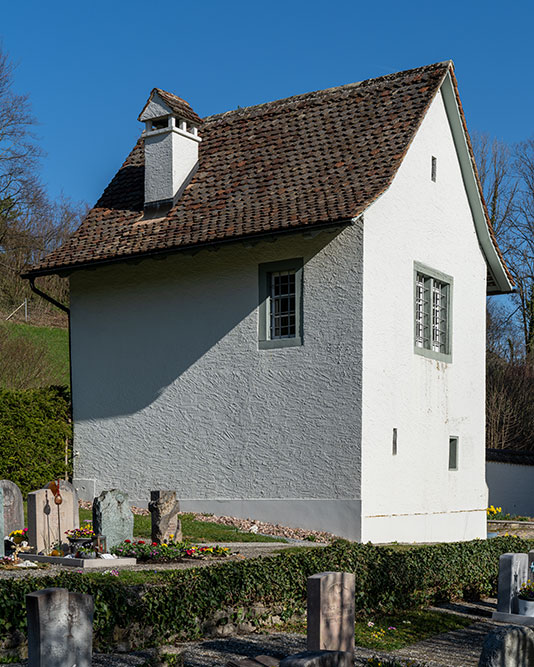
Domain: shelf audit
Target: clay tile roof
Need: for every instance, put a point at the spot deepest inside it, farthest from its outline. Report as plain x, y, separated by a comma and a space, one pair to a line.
179, 106
315, 159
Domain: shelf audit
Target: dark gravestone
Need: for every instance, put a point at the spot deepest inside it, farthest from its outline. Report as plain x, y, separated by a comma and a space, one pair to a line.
513, 572
113, 517
13, 507
60, 628
510, 646
164, 509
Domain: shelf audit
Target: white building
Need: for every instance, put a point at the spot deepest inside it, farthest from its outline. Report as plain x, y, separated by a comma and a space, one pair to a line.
311, 351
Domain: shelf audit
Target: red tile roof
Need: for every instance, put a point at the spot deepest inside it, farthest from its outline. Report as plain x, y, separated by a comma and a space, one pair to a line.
314, 159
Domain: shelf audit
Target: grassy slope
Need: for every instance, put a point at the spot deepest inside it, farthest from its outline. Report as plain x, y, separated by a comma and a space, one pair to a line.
196, 531
57, 342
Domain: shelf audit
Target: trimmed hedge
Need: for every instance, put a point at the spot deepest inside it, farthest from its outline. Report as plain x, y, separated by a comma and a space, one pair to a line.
180, 603
34, 425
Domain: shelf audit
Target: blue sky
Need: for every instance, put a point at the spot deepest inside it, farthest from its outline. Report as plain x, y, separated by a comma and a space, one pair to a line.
89, 67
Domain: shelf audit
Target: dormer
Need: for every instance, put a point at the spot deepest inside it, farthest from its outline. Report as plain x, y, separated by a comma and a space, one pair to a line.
171, 148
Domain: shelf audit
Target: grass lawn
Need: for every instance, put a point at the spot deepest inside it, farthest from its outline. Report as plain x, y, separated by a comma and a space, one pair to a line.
57, 342
395, 631
196, 531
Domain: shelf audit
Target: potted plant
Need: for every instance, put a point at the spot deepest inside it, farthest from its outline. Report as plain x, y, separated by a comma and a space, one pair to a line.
77, 537
525, 599
86, 552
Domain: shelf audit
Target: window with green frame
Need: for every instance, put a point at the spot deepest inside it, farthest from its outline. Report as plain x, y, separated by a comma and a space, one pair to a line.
280, 311
433, 313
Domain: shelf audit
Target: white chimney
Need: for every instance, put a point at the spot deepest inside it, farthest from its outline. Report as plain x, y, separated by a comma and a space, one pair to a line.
171, 147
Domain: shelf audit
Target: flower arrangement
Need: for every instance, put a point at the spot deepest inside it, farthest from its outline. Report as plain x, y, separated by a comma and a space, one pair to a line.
166, 552
526, 592
80, 533
18, 536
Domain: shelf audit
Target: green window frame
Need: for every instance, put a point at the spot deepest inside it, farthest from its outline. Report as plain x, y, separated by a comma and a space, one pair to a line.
280, 304
432, 313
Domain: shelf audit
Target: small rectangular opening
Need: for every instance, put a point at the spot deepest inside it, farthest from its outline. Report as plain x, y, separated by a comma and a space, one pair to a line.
394, 448
453, 453
434, 169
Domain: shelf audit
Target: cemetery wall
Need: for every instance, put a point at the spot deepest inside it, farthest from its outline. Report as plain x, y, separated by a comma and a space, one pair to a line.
171, 391
413, 496
510, 487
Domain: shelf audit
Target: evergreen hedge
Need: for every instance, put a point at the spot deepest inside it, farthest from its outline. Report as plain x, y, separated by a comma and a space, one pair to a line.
180, 603
34, 425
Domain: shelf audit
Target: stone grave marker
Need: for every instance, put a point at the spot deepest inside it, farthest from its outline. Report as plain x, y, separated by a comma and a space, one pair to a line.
513, 572
2, 552
66, 485
164, 510
60, 628
13, 507
509, 646
48, 520
113, 517
331, 612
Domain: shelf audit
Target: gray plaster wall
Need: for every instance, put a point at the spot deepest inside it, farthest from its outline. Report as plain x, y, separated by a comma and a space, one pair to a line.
171, 391
510, 487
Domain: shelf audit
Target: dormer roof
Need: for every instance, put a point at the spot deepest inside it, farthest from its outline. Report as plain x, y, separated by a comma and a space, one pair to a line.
301, 163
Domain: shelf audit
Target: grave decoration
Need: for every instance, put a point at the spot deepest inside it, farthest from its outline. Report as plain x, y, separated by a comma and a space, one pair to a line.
81, 541
515, 598
167, 552
66, 486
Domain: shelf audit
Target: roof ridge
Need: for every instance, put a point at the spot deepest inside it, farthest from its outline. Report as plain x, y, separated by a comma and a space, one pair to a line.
322, 91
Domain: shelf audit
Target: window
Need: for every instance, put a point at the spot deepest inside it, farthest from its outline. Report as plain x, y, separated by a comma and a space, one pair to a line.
453, 453
280, 313
434, 169
433, 293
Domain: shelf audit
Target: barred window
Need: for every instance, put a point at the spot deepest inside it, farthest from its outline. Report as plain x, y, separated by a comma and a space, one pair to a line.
432, 312
280, 312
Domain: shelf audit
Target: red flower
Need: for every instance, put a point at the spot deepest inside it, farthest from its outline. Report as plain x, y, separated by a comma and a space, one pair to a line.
141, 542
127, 541
154, 544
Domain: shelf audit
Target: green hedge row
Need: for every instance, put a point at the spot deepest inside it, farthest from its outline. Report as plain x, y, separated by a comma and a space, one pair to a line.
179, 603
34, 426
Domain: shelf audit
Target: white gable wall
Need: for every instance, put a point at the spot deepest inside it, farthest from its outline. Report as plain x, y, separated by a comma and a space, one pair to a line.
170, 390
413, 496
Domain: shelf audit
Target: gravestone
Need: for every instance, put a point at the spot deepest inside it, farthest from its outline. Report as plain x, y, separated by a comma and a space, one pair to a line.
13, 507
331, 612
60, 628
2, 552
164, 510
113, 517
513, 572
511, 646
319, 659
531, 565
66, 485
48, 520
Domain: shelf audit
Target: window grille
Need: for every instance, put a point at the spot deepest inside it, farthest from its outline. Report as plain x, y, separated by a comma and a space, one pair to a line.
432, 317
282, 305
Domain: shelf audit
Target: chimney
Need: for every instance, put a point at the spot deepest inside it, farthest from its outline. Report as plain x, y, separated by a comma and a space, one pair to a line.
171, 148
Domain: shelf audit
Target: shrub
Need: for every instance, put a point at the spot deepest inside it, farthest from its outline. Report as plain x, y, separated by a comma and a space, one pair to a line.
180, 603
34, 431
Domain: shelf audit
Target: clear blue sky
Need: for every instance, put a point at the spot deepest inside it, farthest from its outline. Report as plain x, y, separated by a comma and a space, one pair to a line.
89, 67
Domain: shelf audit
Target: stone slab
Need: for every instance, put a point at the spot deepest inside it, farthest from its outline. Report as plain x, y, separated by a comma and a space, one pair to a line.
45, 525
331, 610
516, 619
13, 507
257, 661
66, 485
510, 646
319, 659
113, 517
513, 573
82, 563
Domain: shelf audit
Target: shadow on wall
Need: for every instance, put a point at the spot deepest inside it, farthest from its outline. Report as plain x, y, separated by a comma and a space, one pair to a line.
136, 330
